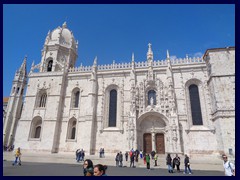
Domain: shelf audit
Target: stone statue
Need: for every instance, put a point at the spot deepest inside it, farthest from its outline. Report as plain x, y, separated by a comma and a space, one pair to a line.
151, 101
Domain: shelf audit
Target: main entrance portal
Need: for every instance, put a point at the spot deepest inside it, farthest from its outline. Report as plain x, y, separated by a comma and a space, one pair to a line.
151, 132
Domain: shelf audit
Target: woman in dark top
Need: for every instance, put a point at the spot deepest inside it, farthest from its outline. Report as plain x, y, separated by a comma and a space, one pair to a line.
88, 168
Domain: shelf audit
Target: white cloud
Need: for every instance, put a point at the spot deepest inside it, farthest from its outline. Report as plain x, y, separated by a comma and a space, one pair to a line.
173, 57
198, 54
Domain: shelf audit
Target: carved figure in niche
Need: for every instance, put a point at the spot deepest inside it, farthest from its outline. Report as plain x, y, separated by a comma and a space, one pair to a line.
151, 101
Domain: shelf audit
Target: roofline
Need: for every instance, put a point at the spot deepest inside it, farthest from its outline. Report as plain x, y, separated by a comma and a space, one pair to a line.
218, 49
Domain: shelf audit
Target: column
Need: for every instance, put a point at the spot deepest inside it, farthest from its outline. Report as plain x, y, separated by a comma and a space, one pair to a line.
153, 141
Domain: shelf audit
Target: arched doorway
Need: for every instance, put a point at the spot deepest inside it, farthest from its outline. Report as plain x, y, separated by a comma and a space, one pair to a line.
160, 145
147, 143
151, 132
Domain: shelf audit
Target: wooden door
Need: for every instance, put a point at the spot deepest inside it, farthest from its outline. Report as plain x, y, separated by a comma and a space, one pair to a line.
160, 147
147, 142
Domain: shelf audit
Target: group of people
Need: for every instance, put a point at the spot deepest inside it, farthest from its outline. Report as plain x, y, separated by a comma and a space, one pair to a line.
90, 170
100, 170
8, 148
80, 155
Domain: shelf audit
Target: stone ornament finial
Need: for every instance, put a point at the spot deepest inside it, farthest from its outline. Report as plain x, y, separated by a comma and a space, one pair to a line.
64, 25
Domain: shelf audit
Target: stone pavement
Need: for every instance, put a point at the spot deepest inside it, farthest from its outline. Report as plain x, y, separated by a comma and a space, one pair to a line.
69, 158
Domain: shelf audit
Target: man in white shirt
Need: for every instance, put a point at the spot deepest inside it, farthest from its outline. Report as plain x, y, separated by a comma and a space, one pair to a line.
229, 167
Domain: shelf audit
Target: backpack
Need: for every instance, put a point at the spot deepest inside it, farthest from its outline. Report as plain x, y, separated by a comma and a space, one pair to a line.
232, 170
176, 161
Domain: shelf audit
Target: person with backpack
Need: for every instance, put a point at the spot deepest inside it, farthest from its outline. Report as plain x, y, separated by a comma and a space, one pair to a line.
176, 162
229, 168
187, 165
169, 163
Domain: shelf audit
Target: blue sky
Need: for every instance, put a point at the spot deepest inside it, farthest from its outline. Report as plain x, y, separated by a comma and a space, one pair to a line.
113, 32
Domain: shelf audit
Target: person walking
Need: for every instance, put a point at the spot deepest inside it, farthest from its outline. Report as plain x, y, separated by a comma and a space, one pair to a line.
148, 161
126, 156
176, 162
187, 165
132, 158
141, 154
88, 168
155, 159
229, 168
120, 159
169, 163
17, 157
117, 160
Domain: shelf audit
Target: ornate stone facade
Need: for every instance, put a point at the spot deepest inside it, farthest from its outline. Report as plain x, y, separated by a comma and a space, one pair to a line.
68, 107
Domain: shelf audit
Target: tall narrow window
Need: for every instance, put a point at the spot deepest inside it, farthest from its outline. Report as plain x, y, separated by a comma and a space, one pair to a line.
76, 99
71, 129
49, 67
112, 108
151, 97
195, 105
43, 99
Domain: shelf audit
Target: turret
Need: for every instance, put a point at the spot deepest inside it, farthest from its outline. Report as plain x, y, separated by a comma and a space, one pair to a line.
15, 103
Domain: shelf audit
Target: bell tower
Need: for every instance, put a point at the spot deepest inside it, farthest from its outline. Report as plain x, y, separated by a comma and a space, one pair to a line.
15, 103
59, 49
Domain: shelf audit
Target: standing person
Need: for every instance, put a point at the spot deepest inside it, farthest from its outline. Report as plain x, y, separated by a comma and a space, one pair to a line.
147, 157
88, 168
126, 156
103, 155
229, 168
120, 159
141, 154
132, 157
176, 161
155, 159
17, 157
187, 165
117, 159
77, 151
169, 163
100, 170
144, 158
100, 153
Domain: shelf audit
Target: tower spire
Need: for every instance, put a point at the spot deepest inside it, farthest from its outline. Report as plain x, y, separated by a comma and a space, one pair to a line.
150, 53
23, 68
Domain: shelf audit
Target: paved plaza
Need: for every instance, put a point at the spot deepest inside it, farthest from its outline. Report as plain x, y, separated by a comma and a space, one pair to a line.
54, 169
46, 164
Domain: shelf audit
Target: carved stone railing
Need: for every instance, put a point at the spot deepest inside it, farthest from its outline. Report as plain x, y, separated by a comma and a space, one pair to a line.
138, 65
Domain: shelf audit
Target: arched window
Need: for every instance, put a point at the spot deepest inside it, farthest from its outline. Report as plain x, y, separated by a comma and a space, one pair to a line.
36, 128
112, 108
37, 132
17, 90
151, 97
49, 67
75, 98
71, 134
43, 99
195, 105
